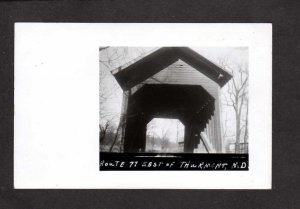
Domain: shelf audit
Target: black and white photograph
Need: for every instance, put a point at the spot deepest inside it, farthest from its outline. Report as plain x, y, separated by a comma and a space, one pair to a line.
187, 103
116, 104
174, 102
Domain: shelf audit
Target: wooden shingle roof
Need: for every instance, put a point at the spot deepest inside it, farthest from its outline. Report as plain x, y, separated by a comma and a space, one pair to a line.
147, 65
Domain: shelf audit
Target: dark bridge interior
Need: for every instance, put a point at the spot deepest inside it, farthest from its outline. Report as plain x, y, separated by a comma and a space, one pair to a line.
191, 104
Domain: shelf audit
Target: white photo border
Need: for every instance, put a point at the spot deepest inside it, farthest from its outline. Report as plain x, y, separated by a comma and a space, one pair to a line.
56, 138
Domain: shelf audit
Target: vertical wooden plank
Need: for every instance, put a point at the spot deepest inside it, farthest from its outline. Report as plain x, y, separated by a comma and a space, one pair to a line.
188, 139
217, 124
123, 118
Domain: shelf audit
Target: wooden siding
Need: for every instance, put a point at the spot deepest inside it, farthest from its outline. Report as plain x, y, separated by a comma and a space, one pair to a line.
181, 73
134, 73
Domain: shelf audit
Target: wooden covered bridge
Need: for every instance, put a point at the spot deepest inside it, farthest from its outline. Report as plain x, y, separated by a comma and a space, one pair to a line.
175, 83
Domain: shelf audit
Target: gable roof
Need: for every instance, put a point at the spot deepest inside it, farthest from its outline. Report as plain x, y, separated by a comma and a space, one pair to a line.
140, 69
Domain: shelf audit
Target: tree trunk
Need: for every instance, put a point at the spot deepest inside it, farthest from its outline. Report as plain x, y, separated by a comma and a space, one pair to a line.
237, 142
115, 139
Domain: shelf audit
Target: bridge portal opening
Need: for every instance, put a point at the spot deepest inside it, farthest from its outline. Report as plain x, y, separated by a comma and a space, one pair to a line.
164, 136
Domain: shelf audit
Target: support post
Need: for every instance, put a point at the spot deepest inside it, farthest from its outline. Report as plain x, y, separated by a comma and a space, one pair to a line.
123, 118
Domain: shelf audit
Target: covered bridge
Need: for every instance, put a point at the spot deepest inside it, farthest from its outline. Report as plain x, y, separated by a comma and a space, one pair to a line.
176, 83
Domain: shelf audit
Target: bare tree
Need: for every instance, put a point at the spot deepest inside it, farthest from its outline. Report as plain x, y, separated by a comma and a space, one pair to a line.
151, 129
237, 98
103, 130
246, 125
111, 58
164, 139
225, 126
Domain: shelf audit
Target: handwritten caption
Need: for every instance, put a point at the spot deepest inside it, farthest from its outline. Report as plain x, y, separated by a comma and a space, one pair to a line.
184, 165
